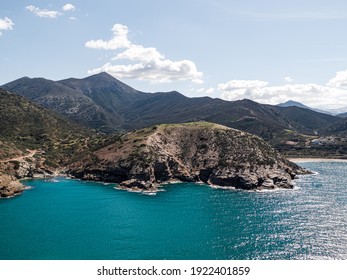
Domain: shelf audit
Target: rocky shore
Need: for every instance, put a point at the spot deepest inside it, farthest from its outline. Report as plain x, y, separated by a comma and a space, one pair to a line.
194, 152
21, 167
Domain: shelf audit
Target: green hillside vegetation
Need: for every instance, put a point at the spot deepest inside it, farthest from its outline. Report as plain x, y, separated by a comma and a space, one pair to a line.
26, 126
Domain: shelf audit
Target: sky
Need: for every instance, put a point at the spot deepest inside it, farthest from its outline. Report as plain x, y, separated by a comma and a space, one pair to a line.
269, 51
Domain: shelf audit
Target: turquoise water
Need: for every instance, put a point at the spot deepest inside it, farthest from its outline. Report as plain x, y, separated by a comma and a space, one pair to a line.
69, 219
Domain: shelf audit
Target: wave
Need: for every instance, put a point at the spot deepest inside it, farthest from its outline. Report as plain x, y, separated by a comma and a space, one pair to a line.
149, 193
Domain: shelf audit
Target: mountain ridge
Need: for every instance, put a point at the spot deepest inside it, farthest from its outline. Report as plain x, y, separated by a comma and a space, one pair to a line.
106, 104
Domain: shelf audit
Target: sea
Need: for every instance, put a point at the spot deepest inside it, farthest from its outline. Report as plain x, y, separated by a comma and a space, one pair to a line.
66, 219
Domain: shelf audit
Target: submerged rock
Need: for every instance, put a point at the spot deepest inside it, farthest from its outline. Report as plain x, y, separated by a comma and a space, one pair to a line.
191, 152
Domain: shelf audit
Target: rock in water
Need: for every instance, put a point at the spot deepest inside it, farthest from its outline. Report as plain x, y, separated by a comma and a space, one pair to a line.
190, 152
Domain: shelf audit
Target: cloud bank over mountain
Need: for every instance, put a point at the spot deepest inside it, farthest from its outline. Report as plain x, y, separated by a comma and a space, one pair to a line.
146, 63
331, 95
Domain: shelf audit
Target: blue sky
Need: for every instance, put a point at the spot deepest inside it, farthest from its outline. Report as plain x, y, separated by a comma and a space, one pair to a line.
269, 51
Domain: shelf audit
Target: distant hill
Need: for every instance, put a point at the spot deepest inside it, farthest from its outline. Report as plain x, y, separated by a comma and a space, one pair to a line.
291, 103
342, 115
173, 107
339, 129
263, 120
309, 120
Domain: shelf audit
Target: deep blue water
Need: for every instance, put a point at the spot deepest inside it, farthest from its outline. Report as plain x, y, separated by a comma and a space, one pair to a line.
72, 219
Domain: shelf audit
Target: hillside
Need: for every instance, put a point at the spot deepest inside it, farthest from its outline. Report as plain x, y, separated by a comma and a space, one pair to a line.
191, 152
310, 121
25, 125
61, 99
35, 141
93, 102
173, 107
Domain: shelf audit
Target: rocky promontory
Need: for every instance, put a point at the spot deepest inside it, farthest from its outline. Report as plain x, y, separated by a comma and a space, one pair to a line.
28, 165
9, 186
190, 152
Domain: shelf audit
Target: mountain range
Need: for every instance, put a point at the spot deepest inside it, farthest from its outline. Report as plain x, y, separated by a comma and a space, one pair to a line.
105, 104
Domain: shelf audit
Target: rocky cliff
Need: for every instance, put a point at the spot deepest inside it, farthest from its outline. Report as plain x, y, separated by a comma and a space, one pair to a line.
9, 186
191, 152
23, 166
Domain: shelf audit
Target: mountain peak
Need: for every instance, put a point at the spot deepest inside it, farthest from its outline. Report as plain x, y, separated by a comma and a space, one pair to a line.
103, 76
290, 103
103, 81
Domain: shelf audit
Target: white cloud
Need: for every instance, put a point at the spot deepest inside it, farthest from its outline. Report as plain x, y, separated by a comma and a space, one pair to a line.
69, 8
332, 95
238, 89
138, 52
340, 80
288, 79
42, 12
119, 40
6, 24
150, 64
164, 71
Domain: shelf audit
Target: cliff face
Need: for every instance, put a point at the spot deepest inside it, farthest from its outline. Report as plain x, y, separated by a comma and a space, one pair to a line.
193, 152
9, 186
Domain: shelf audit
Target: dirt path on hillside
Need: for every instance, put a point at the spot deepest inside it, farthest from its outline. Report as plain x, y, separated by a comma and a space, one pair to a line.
31, 154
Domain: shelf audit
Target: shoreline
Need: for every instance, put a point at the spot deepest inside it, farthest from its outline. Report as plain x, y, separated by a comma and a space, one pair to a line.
317, 160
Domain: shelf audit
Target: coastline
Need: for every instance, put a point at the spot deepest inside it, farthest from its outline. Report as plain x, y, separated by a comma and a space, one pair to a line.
298, 160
